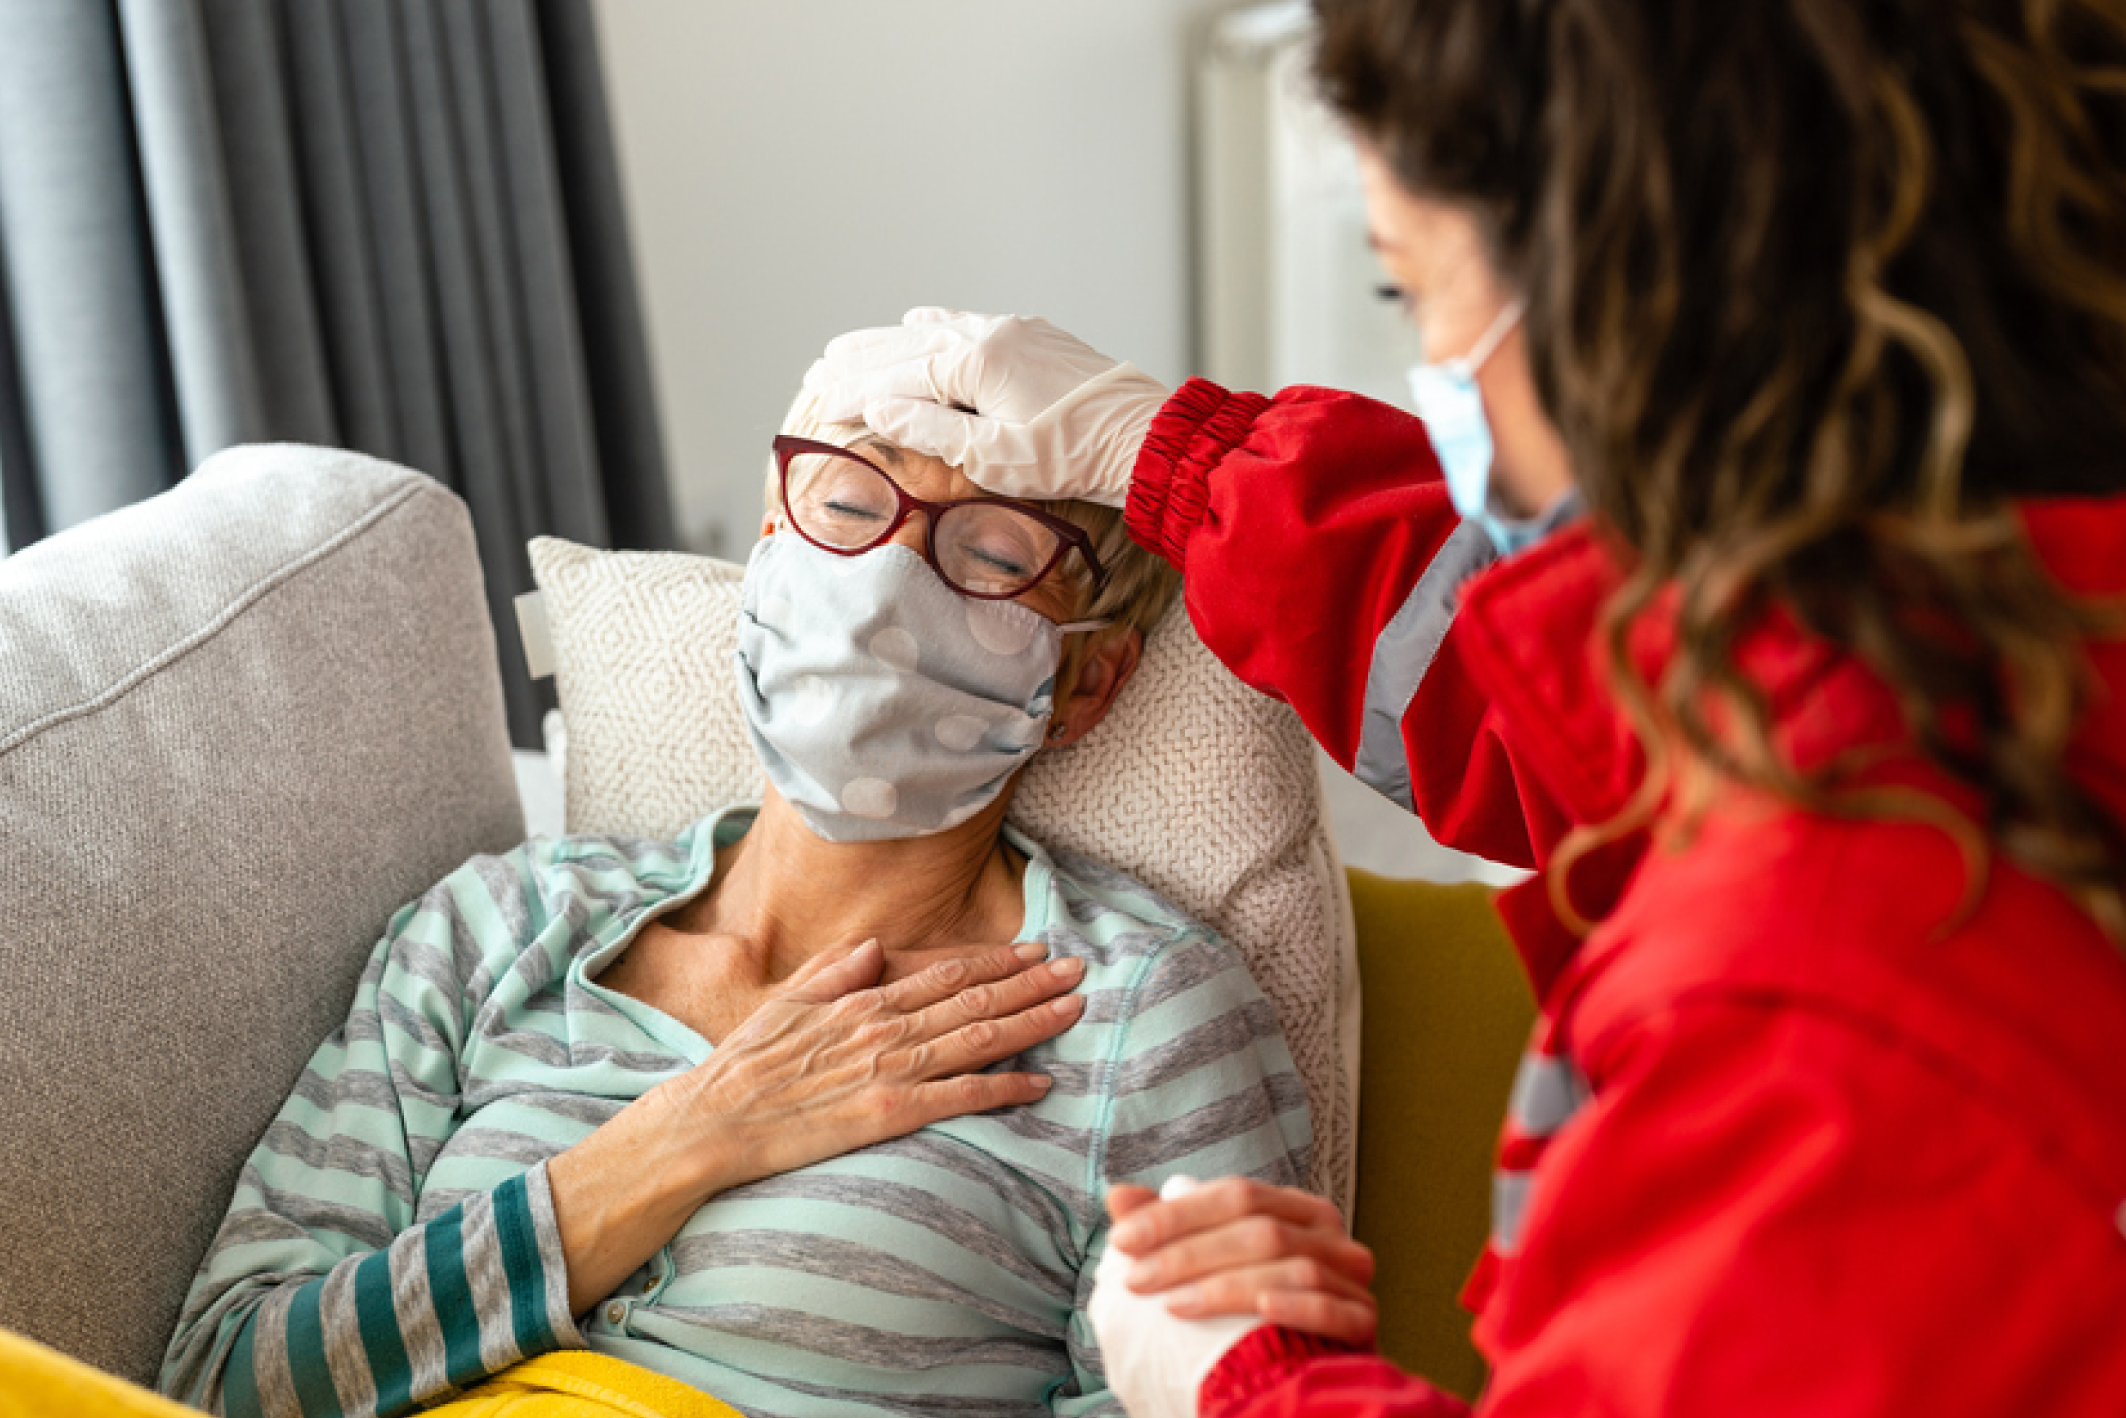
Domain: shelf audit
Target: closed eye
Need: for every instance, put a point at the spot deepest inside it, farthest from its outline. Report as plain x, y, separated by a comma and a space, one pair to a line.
1003, 564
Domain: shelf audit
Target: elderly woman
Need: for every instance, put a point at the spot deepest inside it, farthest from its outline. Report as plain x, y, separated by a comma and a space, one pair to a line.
655, 1099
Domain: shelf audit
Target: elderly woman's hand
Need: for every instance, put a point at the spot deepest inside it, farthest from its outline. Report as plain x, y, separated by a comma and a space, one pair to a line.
829, 1063
1239, 1247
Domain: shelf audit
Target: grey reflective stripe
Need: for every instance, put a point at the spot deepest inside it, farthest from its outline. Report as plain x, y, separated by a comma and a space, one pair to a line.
1404, 652
1547, 1091
1509, 1207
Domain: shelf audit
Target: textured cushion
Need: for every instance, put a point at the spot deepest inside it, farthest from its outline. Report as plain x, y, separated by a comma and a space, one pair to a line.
1447, 1013
240, 724
1196, 785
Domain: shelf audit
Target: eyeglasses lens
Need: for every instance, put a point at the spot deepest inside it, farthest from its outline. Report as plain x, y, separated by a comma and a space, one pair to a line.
838, 501
990, 549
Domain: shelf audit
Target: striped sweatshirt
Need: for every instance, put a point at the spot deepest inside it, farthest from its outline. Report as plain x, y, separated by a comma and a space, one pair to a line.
392, 1237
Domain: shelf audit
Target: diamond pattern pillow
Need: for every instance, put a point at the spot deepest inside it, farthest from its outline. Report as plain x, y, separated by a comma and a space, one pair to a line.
1196, 785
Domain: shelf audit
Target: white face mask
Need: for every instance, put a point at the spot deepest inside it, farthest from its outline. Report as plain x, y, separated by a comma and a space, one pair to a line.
882, 702
1446, 397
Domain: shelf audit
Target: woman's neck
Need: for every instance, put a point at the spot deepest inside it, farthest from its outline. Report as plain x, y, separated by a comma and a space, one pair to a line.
785, 894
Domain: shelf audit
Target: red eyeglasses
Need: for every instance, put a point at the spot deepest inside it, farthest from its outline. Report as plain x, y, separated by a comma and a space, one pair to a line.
988, 548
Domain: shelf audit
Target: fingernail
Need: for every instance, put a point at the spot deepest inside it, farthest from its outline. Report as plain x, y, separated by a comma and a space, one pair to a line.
1042, 1083
1184, 1300
1068, 968
1031, 951
1068, 1005
1126, 1237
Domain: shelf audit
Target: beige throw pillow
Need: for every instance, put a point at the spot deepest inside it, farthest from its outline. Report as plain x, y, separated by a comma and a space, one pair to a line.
1197, 786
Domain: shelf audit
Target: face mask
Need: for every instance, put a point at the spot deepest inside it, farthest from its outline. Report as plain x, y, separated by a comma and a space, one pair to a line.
1446, 397
882, 702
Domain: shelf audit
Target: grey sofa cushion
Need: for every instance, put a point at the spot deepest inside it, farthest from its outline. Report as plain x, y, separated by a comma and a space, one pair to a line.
240, 724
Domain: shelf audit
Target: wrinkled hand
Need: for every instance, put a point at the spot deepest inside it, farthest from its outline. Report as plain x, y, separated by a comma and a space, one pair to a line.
1239, 1247
829, 1064
1021, 407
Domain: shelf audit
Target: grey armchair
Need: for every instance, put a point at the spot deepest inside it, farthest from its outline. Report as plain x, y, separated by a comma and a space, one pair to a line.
240, 723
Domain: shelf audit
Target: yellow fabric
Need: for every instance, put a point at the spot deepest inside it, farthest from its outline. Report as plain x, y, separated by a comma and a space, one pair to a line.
36, 1382
1447, 1011
576, 1384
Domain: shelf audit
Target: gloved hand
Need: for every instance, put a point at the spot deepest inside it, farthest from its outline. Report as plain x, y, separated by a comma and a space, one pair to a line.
1155, 1361
1039, 413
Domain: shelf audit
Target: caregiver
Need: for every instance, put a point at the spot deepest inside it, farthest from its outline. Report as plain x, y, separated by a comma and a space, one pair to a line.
1757, 572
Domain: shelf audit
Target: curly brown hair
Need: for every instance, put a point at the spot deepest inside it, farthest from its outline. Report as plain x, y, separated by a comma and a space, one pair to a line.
1816, 291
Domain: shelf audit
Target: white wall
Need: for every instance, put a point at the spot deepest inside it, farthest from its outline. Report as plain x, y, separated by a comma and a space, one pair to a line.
795, 168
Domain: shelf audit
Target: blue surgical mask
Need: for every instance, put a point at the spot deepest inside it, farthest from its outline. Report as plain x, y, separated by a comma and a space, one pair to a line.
882, 702
1446, 397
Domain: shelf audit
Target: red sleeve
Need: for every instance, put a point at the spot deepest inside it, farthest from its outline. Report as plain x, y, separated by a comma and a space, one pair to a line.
1322, 562
1279, 1373
1768, 1211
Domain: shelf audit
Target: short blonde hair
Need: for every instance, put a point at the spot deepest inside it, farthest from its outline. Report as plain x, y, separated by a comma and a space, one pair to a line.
1140, 586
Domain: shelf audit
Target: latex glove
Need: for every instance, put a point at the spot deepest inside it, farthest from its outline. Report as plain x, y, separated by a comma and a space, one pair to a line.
1050, 416
1156, 1361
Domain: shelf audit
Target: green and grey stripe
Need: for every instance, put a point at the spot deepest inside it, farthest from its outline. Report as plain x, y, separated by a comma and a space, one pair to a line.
443, 1305
392, 1238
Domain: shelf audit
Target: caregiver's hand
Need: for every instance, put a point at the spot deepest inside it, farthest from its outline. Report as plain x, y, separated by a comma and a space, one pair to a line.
1155, 1360
1239, 1247
830, 1062
1050, 416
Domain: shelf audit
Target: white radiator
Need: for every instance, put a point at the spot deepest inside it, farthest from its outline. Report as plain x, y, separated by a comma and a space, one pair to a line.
1288, 290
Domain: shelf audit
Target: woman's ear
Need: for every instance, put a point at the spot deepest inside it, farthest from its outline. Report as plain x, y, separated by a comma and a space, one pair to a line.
1087, 690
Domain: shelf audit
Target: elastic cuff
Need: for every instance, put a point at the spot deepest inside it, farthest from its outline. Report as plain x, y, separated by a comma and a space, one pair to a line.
545, 1236
1262, 1359
1170, 485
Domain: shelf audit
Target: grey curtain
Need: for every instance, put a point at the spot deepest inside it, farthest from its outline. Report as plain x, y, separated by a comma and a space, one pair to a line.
390, 225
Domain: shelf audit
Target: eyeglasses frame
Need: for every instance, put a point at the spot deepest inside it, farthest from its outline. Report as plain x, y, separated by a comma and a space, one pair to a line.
1070, 534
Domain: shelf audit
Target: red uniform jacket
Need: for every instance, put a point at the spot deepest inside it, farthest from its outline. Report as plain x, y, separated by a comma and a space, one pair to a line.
1795, 1137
